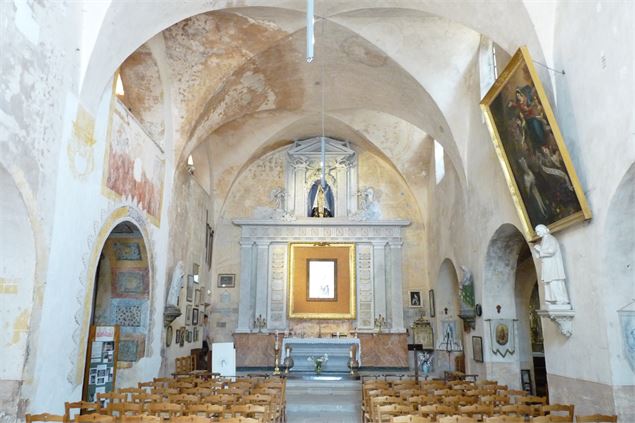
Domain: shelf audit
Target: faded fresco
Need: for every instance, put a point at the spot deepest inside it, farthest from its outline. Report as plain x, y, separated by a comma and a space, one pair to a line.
135, 167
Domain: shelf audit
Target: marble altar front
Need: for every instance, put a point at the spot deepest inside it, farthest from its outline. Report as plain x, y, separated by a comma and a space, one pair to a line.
304, 349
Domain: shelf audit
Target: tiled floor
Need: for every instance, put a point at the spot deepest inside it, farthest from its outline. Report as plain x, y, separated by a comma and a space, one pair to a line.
321, 401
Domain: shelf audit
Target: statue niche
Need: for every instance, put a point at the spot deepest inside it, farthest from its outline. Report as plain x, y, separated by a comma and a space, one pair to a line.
321, 200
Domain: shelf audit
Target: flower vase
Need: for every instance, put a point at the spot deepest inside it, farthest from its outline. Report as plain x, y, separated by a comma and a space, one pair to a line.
318, 367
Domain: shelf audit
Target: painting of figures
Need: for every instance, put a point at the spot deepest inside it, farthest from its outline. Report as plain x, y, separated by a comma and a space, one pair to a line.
535, 160
134, 167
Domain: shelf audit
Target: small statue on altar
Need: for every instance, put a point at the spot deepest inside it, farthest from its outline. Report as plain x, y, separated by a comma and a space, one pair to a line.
552, 274
321, 200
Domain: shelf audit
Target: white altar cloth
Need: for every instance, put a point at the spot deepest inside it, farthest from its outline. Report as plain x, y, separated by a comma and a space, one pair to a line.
336, 348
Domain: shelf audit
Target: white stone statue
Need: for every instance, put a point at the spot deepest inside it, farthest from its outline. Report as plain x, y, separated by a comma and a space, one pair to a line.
176, 283
552, 274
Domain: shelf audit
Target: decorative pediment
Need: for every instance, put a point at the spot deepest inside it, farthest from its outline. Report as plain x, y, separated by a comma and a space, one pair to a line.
311, 149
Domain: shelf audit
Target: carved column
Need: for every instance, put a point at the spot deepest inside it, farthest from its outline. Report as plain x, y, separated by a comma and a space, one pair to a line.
299, 197
247, 300
379, 276
262, 272
396, 295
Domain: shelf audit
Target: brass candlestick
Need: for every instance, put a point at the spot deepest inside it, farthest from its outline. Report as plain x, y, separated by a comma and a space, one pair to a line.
380, 322
276, 360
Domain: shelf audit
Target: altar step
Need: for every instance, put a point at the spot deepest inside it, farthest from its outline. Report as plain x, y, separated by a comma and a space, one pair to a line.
323, 401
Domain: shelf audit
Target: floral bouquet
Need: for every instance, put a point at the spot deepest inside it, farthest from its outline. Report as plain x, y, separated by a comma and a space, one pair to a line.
318, 362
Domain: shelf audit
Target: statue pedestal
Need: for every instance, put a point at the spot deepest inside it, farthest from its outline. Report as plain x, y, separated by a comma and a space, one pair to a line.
561, 314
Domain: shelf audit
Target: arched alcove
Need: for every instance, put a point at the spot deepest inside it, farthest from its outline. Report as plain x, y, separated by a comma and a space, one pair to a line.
501, 303
122, 294
618, 278
447, 304
17, 277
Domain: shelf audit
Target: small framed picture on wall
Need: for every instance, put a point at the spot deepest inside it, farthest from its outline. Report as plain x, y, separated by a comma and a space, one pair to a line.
195, 316
431, 302
415, 298
477, 349
189, 295
227, 280
188, 315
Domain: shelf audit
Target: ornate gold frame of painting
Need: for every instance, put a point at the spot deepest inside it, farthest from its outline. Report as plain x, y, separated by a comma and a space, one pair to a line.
350, 314
522, 57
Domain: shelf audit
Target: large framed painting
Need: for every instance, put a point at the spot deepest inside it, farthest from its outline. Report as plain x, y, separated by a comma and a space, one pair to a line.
322, 281
539, 172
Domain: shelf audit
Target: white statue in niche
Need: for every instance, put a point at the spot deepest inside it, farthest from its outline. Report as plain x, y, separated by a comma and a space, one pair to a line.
552, 274
368, 206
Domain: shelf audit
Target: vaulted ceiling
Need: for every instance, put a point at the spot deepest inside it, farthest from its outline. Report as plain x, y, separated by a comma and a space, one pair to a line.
237, 85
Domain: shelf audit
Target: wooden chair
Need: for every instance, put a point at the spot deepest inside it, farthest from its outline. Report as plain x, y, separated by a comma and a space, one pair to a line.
495, 400
207, 410
123, 408
190, 419
386, 412
477, 410
557, 408
504, 419
596, 418
96, 418
531, 400
143, 418
410, 418
81, 406
457, 419
377, 401
184, 399
435, 411
184, 365
44, 417
110, 397
259, 412
164, 409
239, 419
223, 399
459, 400
146, 398
552, 419
516, 410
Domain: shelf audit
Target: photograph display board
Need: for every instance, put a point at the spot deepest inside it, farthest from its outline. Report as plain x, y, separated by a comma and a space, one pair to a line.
101, 361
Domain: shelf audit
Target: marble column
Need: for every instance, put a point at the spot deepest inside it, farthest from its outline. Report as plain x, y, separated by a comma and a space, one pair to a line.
396, 294
247, 300
262, 274
379, 277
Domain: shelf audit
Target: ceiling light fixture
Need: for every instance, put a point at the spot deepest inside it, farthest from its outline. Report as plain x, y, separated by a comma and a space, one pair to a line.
310, 32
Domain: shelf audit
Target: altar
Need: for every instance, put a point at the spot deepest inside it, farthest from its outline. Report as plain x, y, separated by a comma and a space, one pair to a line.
338, 350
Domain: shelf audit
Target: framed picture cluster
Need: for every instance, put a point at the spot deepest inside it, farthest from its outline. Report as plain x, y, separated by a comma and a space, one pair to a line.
194, 306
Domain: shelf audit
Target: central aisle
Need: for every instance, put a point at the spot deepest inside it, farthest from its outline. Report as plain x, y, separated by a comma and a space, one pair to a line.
324, 401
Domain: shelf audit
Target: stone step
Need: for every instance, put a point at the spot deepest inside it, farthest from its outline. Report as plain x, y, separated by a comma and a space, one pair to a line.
323, 400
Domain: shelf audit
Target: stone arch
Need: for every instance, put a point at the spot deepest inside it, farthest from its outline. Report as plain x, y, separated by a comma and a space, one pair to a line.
18, 279
119, 215
500, 276
618, 274
447, 304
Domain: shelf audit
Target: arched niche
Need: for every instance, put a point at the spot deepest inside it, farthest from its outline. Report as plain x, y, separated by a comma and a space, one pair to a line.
129, 305
617, 280
506, 283
17, 277
447, 305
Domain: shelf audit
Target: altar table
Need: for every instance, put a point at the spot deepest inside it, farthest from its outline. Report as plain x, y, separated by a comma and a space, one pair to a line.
338, 350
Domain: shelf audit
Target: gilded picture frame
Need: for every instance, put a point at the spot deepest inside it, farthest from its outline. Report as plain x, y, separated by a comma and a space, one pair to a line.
303, 306
530, 148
